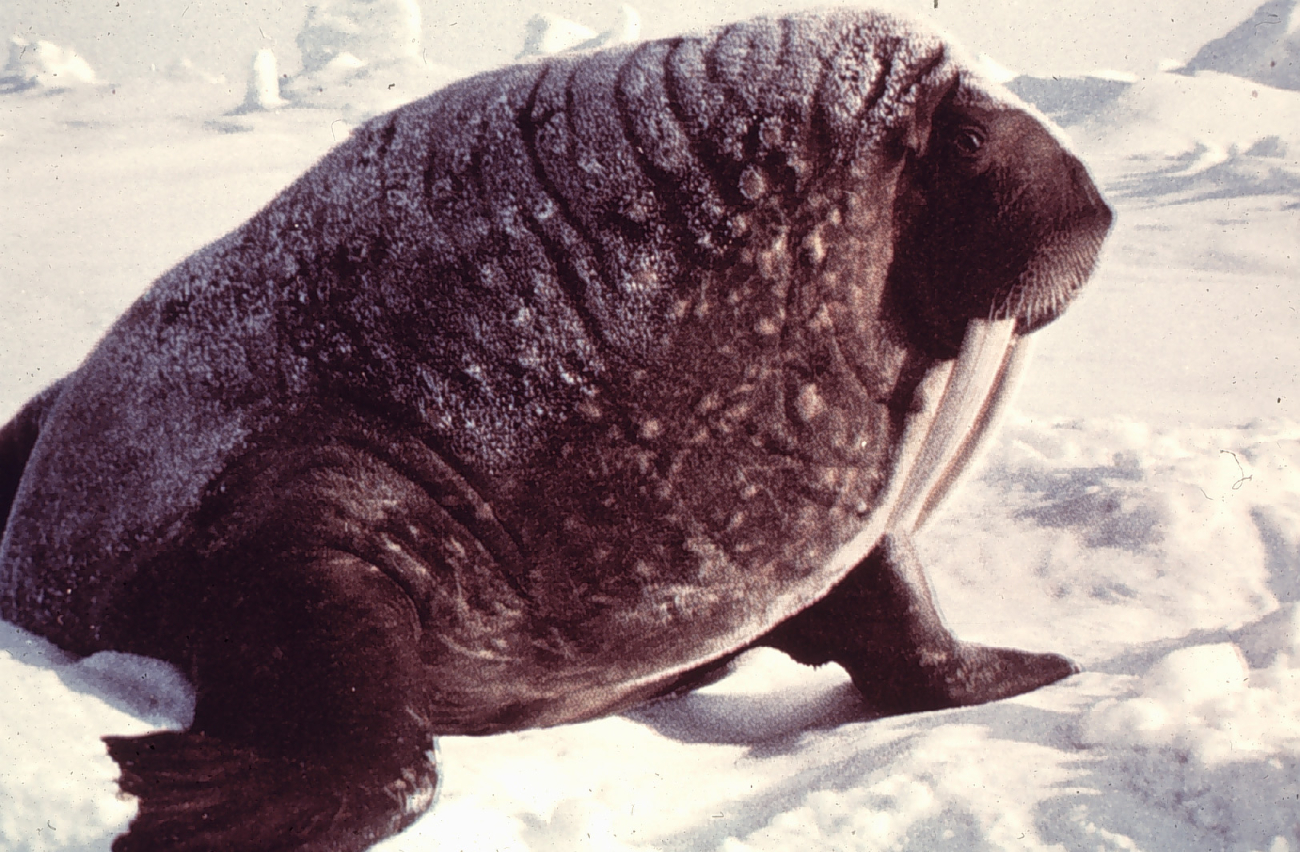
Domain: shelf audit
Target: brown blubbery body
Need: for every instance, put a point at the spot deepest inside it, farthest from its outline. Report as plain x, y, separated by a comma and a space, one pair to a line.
528, 400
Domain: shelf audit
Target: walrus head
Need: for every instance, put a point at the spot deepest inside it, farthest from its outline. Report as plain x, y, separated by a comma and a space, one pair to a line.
998, 227
997, 221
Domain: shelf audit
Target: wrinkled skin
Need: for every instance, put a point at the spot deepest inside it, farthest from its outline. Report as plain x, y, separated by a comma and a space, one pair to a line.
543, 396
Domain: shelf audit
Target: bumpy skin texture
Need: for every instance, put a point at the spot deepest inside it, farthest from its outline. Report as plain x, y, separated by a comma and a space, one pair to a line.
528, 400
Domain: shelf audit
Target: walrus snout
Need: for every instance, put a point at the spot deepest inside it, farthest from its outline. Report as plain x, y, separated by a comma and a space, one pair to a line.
998, 222
1075, 225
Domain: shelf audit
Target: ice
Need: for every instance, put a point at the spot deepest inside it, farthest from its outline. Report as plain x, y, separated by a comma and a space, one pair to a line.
363, 57
43, 65
263, 83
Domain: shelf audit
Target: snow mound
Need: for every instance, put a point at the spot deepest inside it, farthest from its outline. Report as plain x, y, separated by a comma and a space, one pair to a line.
363, 57
58, 786
1202, 722
359, 32
1171, 112
1206, 701
1264, 48
1185, 137
547, 34
263, 84
43, 65
151, 690
1069, 100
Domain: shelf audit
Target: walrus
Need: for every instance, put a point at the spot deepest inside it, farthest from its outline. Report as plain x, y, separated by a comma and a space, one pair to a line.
544, 396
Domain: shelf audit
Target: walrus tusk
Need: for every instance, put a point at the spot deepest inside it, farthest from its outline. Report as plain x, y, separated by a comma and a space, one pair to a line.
977, 390
985, 426
954, 409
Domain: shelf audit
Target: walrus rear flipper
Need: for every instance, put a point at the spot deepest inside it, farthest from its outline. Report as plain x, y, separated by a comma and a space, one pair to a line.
17, 438
198, 793
881, 625
309, 731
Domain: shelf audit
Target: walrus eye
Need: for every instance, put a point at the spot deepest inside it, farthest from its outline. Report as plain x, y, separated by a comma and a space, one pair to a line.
968, 139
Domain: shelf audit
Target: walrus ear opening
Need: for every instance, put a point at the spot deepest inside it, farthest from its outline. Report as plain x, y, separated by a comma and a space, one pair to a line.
934, 90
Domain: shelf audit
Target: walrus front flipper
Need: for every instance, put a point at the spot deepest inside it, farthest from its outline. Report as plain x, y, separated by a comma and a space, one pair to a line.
308, 733
881, 625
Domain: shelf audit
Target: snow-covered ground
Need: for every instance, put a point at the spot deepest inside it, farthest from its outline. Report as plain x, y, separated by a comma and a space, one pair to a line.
1139, 512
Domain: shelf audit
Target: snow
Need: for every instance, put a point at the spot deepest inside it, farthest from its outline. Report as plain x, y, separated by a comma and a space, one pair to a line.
263, 83
367, 30
1264, 48
991, 69
549, 34
1161, 113
43, 65
1139, 510
363, 57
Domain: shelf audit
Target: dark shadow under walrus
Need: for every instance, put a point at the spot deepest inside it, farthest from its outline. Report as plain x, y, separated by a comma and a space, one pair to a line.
540, 397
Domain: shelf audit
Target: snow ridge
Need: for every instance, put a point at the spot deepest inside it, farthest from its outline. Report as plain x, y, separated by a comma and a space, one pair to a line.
1264, 48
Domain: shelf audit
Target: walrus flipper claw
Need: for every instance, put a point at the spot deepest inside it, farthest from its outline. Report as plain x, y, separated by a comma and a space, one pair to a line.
881, 625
